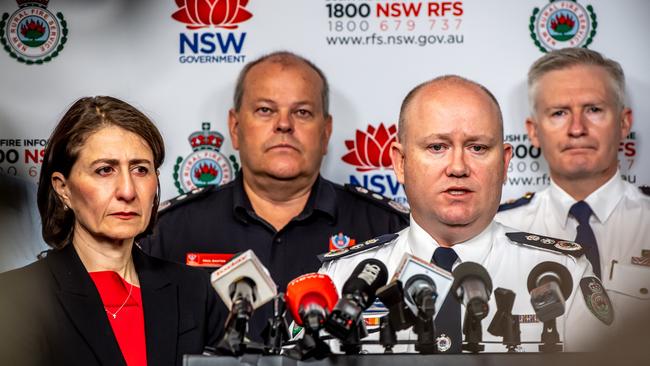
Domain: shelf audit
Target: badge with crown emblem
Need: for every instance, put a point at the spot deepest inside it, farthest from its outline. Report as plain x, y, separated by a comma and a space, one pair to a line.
33, 34
206, 164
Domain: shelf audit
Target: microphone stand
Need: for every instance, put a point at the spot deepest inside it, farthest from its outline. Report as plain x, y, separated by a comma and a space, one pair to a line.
311, 345
550, 338
473, 334
276, 331
425, 329
352, 344
233, 342
387, 335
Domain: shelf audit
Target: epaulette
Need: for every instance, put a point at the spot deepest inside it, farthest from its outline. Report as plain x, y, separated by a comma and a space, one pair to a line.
377, 198
357, 248
547, 243
185, 197
645, 190
514, 203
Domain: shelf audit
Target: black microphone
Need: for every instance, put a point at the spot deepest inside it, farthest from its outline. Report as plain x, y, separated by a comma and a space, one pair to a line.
359, 292
549, 284
472, 287
504, 324
421, 290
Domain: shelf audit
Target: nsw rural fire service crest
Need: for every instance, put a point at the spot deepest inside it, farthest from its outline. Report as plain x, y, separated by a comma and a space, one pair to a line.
33, 34
561, 24
206, 164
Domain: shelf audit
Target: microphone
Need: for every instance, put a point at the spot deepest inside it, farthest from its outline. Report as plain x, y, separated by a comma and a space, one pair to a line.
310, 298
244, 285
421, 291
549, 284
244, 277
472, 287
425, 287
358, 294
504, 324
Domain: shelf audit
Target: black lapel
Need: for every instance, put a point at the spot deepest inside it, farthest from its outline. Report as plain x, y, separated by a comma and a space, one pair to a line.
160, 305
83, 305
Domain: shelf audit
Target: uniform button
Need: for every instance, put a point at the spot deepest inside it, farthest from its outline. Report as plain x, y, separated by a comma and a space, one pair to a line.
643, 291
278, 240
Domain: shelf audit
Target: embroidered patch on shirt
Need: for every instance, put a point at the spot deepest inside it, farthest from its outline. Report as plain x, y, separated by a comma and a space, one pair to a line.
340, 241
597, 300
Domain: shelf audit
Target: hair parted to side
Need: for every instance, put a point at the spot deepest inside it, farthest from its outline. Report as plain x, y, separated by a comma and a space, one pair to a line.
284, 58
85, 117
440, 80
575, 56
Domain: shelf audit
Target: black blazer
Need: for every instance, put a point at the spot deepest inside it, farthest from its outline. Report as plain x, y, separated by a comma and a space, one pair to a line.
52, 314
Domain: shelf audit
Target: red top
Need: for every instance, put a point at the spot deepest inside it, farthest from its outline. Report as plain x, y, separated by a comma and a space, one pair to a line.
124, 313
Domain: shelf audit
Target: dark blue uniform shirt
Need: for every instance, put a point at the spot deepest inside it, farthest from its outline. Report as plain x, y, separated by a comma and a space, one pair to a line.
222, 220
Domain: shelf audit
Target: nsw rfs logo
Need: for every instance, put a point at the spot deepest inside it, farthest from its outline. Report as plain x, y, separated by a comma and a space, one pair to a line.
371, 149
340, 241
198, 14
33, 34
561, 24
206, 165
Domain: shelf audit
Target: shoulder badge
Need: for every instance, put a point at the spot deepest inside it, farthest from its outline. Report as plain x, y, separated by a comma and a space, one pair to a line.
357, 248
547, 243
597, 300
185, 197
514, 203
645, 190
377, 198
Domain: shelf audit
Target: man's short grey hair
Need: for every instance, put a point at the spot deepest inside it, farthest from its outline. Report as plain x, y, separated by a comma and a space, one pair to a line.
284, 58
576, 56
439, 80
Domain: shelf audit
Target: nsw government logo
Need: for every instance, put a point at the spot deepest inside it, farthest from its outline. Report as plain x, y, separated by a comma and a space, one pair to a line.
561, 24
211, 47
33, 34
370, 151
206, 165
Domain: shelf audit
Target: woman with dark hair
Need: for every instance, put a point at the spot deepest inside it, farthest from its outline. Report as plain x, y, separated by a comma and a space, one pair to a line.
96, 298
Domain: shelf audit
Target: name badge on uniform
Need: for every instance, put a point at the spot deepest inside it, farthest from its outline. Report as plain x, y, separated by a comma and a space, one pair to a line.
209, 260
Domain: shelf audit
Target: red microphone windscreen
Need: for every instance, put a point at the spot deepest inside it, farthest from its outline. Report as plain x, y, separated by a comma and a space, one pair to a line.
310, 288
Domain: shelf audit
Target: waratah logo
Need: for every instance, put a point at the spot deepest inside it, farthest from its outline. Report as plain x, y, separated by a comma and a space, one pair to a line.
198, 14
371, 149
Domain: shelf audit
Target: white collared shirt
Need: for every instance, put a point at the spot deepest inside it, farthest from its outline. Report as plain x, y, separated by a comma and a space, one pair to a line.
508, 264
621, 225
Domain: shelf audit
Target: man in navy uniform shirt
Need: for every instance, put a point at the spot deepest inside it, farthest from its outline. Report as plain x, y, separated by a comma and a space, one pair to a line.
279, 206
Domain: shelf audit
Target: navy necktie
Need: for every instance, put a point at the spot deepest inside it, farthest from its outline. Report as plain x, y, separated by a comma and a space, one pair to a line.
585, 237
448, 318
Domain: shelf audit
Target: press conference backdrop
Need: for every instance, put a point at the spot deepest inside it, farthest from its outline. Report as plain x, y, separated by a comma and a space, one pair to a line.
178, 61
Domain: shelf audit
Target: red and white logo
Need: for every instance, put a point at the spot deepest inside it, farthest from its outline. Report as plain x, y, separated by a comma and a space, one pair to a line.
198, 14
370, 150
